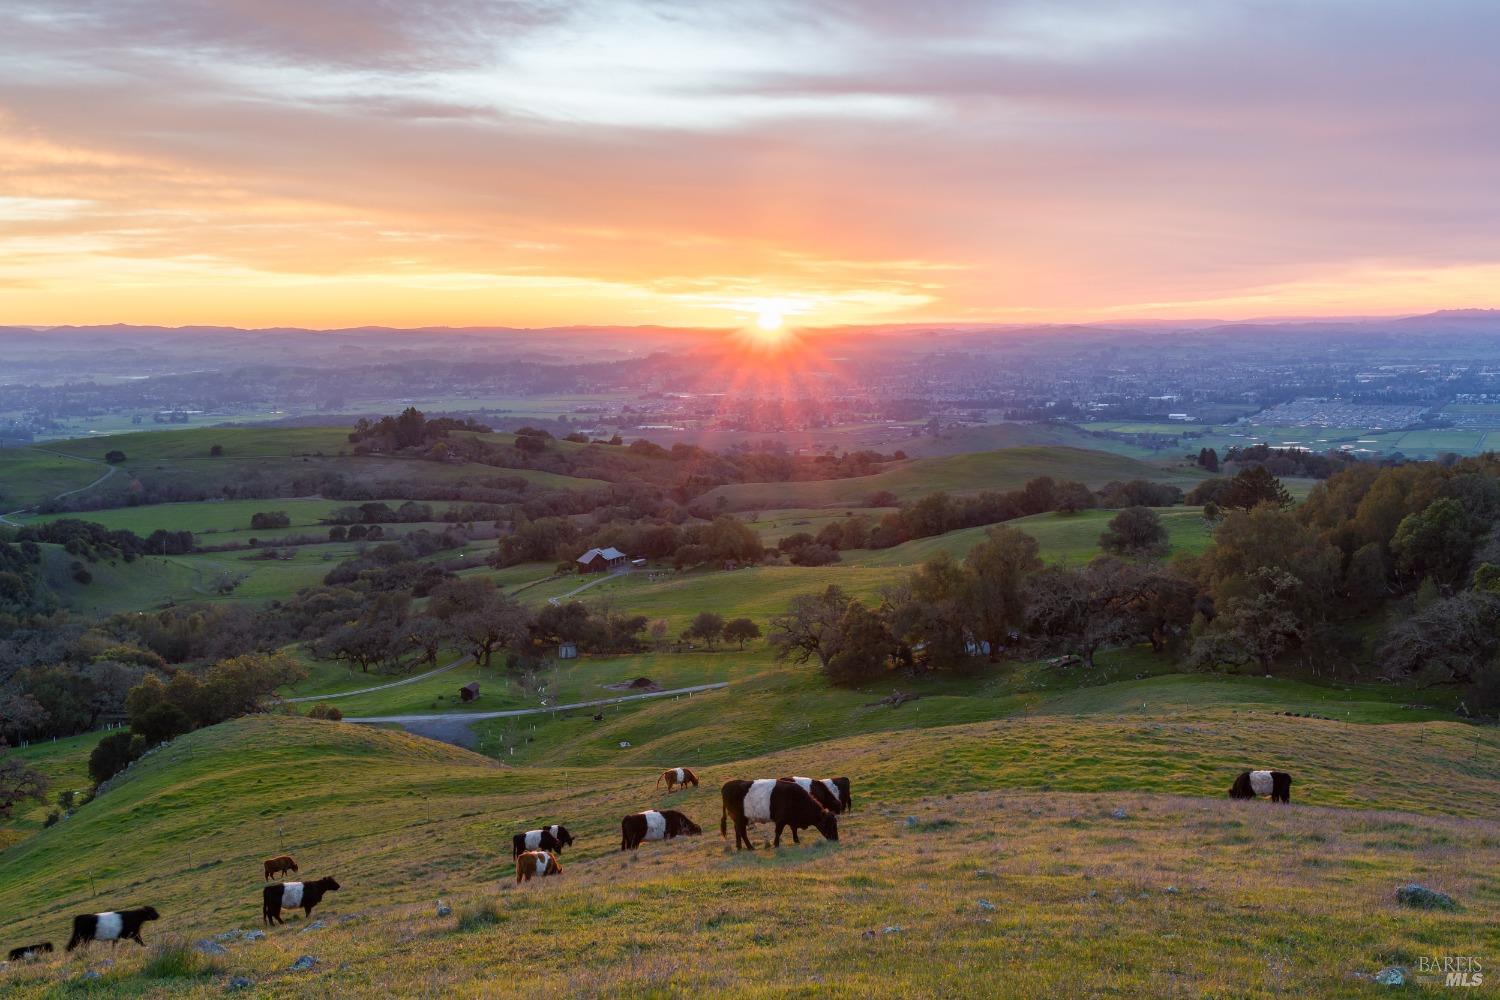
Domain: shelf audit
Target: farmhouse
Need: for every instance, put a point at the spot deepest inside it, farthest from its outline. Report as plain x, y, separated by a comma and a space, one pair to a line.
600, 560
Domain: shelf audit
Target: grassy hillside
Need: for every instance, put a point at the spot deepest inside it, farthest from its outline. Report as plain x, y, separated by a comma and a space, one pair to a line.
1070, 538
1006, 469
1187, 892
270, 457
29, 476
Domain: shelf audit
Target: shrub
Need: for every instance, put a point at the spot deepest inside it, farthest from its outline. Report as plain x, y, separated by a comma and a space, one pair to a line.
178, 960
111, 756
323, 710
480, 916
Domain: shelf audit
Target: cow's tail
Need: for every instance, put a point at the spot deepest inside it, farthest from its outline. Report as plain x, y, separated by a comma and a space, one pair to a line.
658, 780
77, 938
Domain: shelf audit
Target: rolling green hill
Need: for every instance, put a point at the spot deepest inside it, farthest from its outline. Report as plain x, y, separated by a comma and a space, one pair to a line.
1006, 469
1102, 848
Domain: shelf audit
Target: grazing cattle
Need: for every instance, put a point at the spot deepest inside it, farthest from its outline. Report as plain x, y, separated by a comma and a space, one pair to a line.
655, 825
831, 793
290, 895
552, 838
539, 863
30, 951
769, 800
1277, 784
275, 866
676, 777
111, 927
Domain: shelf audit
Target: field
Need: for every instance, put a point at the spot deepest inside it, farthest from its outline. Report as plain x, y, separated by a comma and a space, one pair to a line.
1155, 902
28, 476
1006, 469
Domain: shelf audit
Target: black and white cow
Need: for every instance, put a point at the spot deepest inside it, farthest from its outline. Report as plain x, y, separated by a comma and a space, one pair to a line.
1277, 784
30, 951
290, 895
113, 927
551, 838
772, 800
653, 824
831, 793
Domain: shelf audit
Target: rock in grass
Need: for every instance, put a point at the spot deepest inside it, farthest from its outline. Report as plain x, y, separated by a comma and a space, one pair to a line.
985, 904
911, 822
316, 925
1394, 976
240, 983
1420, 897
255, 935
91, 974
443, 909
1120, 813
304, 963
211, 948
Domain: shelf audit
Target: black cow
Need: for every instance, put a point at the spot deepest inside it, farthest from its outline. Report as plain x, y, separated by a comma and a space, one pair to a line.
831, 793
290, 895
552, 838
113, 926
653, 824
30, 950
1277, 784
771, 800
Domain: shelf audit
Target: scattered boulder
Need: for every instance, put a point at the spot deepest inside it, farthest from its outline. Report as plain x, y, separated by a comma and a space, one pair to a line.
256, 935
984, 873
1120, 813
239, 983
443, 909
1393, 976
911, 822
304, 963
208, 947
1420, 897
316, 925
227, 936
985, 904
91, 974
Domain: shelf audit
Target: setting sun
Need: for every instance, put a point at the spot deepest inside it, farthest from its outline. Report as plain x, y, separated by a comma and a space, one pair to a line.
769, 320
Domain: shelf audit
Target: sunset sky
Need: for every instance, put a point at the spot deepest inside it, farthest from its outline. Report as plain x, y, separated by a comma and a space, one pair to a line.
332, 162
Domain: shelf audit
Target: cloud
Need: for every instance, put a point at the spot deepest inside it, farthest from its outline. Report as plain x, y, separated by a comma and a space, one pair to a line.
902, 159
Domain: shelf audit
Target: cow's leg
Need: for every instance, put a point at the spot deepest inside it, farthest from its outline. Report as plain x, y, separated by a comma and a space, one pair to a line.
137, 937
742, 835
777, 841
795, 839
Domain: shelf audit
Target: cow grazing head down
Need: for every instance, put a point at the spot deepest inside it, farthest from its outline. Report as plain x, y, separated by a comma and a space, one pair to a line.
1252, 784
561, 835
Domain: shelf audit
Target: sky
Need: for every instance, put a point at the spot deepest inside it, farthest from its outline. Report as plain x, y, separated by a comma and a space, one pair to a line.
329, 163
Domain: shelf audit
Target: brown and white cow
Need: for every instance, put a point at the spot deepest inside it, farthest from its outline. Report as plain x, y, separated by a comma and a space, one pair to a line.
772, 800
114, 926
551, 838
291, 895
1277, 784
538, 863
655, 824
677, 777
831, 793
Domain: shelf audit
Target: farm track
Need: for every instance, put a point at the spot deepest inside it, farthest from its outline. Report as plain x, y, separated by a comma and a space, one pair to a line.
382, 687
453, 727
109, 471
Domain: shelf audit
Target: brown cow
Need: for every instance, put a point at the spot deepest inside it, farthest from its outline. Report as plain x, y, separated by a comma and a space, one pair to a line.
539, 863
275, 866
677, 777
771, 800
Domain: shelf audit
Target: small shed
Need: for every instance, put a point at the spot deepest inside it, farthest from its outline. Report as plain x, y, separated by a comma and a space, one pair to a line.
567, 651
601, 560
470, 691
